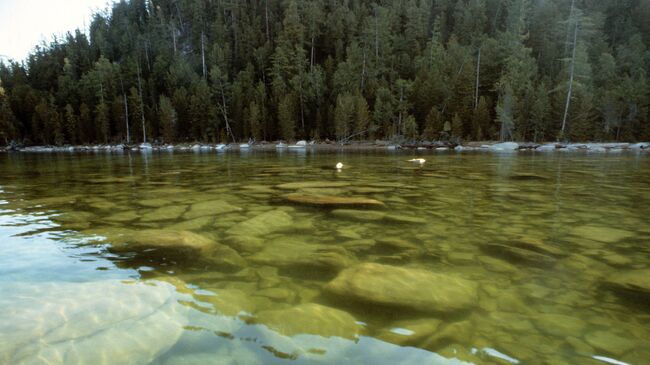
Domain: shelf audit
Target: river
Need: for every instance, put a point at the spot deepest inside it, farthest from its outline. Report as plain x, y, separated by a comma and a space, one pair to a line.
264, 258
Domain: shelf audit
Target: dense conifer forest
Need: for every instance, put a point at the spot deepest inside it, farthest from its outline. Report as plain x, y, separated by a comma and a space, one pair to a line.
229, 70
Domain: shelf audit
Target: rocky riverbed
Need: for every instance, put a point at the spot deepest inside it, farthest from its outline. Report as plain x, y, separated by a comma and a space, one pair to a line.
488, 259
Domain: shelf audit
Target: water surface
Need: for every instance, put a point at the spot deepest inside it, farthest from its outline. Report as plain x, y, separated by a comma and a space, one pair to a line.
529, 258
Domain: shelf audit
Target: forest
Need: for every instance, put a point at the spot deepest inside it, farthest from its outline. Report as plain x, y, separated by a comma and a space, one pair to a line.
172, 71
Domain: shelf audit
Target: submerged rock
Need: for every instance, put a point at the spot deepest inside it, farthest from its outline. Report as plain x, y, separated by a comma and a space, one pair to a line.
359, 245
461, 258
416, 289
559, 324
615, 259
456, 332
281, 253
222, 258
322, 191
263, 224
633, 284
154, 203
310, 318
361, 215
602, 234
156, 238
229, 302
373, 215
610, 343
497, 265
312, 184
84, 323
527, 177
66, 200
352, 233
245, 243
280, 294
102, 204
331, 200
235, 354
210, 208
191, 224
75, 217
397, 243
533, 244
369, 190
123, 217
407, 219
518, 255
409, 332
163, 214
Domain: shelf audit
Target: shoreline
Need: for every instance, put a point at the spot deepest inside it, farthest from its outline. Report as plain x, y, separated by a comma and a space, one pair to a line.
352, 146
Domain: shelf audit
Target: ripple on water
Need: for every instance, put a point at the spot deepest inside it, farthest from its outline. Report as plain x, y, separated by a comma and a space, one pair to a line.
258, 259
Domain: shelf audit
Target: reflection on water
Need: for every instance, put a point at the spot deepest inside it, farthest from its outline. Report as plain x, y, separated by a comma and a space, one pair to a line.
265, 258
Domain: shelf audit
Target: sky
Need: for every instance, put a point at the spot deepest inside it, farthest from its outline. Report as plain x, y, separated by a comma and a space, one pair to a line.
26, 23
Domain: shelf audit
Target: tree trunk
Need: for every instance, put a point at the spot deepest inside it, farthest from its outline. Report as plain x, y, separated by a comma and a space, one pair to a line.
311, 64
126, 118
571, 69
376, 40
174, 38
568, 29
180, 17
478, 74
234, 33
144, 130
224, 111
126, 111
302, 108
399, 118
146, 54
363, 70
203, 54
266, 16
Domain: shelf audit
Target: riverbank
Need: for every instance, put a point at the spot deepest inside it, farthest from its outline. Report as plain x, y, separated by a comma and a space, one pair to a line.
332, 146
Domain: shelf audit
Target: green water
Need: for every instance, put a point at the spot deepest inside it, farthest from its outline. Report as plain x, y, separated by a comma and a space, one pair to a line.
539, 258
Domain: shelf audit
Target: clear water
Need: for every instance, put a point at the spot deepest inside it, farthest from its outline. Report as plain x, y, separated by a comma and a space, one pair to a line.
159, 258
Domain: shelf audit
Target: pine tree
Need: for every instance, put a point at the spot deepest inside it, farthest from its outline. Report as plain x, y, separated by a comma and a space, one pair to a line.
481, 120
344, 115
136, 114
70, 124
255, 121
362, 118
168, 119
286, 117
433, 125
271, 69
101, 122
7, 119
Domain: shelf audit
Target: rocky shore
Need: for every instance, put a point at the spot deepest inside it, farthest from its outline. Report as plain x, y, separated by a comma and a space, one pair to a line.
352, 146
